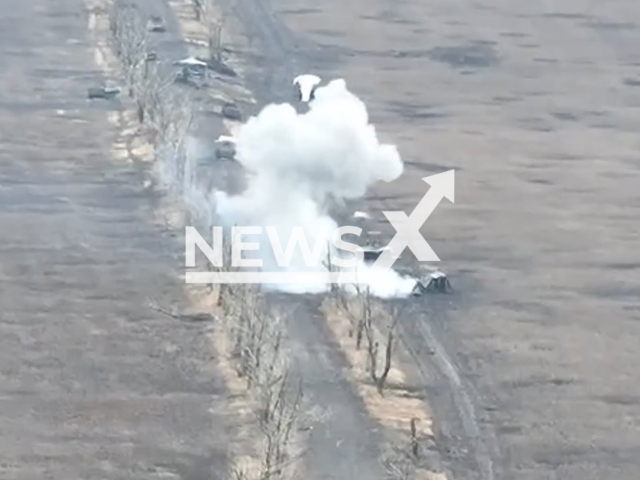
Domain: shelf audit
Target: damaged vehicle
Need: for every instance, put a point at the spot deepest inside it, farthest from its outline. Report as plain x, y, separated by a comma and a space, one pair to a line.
225, 147
105, 92
193, 72
188, 77
372, 252
434, 282
156, 24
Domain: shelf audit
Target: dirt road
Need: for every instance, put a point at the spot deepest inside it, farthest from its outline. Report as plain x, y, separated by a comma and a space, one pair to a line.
93, 384
536, 106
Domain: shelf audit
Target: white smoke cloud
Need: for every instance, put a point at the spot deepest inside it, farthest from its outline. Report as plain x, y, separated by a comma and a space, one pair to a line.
297, 163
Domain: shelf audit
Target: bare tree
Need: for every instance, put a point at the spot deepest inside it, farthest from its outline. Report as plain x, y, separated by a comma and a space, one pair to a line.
169, 113
253, 334
226, 293
356, 306
353, 300
400, 465
237, 473
278, 413
150, 90
415, 446
335, 289
214, 38
257, 333
168, 127
364, 313
198, 8
402, 460
213, 18
379, 377
129, 35
280, 405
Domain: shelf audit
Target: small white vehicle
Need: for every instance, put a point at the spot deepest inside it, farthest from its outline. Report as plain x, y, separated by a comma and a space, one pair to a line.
306, 85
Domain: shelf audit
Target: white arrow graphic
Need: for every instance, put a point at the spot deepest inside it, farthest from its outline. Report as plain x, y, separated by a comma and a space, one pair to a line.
408, 228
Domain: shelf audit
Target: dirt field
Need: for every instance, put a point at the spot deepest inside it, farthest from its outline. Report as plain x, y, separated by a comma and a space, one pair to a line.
536, 106
93, 383
530, 365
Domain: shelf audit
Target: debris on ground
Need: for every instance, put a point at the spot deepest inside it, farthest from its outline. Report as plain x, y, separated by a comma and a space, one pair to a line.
102, 92
357, 214
220, 67
189, 76
435, 282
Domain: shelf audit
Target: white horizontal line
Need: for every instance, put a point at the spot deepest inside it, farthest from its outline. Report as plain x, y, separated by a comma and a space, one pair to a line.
276, 277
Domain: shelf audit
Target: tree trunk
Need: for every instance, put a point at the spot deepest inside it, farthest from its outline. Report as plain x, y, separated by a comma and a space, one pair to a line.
198, 8
359, 332
140, 113
387, 363
414, 438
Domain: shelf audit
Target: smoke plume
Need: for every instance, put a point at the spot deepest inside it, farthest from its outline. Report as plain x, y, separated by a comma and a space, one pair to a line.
297, 164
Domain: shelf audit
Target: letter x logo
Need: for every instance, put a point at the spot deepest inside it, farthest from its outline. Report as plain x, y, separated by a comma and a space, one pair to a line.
408, 227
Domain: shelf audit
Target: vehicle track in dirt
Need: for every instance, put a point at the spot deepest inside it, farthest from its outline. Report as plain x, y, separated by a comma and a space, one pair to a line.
468, 446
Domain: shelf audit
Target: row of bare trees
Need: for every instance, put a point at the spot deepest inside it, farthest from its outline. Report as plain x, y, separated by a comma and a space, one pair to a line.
156, 102
256, 331
258, 335
164, 112
367, 316
374, 326
371, 321
130, 40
